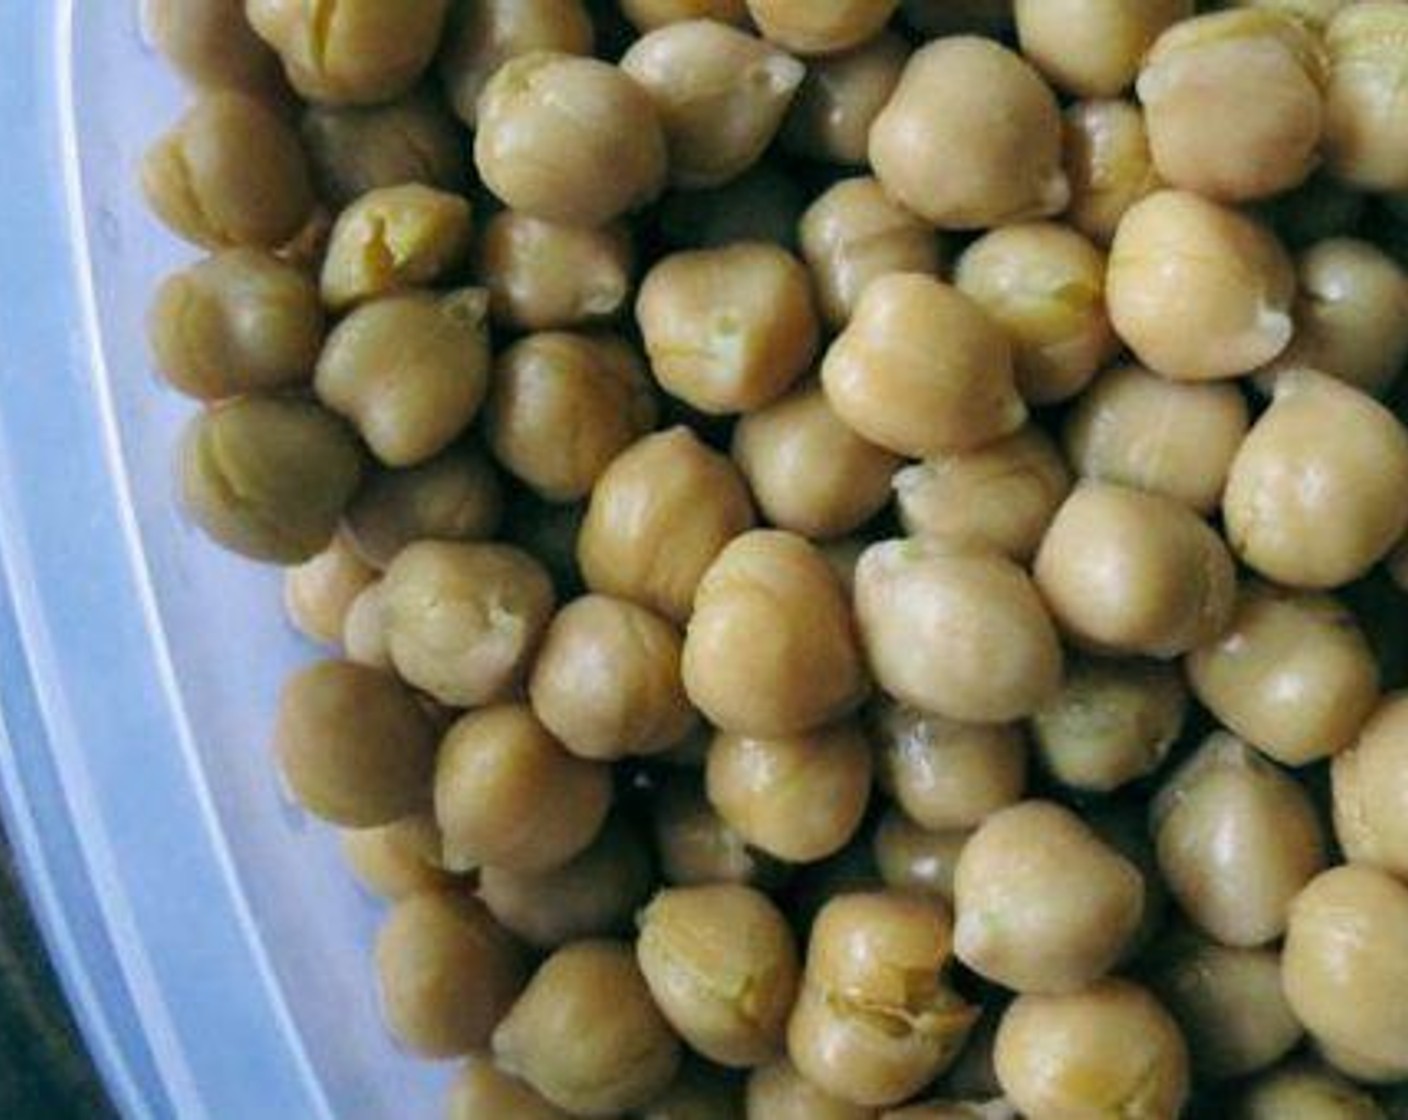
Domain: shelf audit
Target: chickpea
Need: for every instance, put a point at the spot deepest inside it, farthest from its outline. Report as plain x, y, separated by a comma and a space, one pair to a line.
1370, 790
1315, 494
1090, 48
809, 28
482, 36
921, 369
456, 496
771, 648
571, 140
1236, 838
914, 859
779, 1092
463, 620
973, 96
840, 98
1108, 164
659, 515
607, 680
391, 239
1043, 904
352, 52
563, 406
319, 592
958, 632
1044, 284
647, 15
1306, 1091
1109, 1050
696, 846
1177, 438
1364, 116
545, 276
947, 775
1112, 723
854, 233
1315, 13
1294, 674
1229, 1004
1343, 970
229, 173
388, 860
484, 1092
722, 965
212, 45
1002, 496
763, 204
364, 630
508, 795
721, 93
1124, 826
1234, 103
587, 1035
1199, 291
594, 894
799, 798
447, 973
1134, 573
876, 1020
1351, 316
409, 371
728, 329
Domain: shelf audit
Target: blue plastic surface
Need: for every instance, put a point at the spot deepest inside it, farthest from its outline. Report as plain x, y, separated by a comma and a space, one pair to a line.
215, 951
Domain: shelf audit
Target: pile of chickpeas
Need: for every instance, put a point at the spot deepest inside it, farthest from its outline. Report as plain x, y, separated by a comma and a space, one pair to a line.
864, 541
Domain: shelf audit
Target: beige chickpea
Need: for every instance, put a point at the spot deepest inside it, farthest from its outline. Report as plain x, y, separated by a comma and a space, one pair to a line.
695, 844
876, 1019
1364, 114
1002, 496
364, 630
1315, 494
840, 98
810, 473
956, 631
1234, 103
482, 36
779, 1092
1343, 970
1109, 1050
1236, 838
728, 329
1177, 438
607, 680
563, 406
1306, 1091
1351, 316
771, 648
659, 515
921, 369
507, 794
1371, 790
389, 861
446, 973
1112, 723
1042, 903
971, 95
1228, 1002
821, 29
854, 233
1315, 13
1198, 291
799, 798
1134, 573
1294, 674
1043, 283
647, 15
409, 371
1092, 48
914, 859
722, 965
482, 1091
546, 276
947, 775
568, 139
463, 620
1108, 164
587, 1035
319, 592
721, 93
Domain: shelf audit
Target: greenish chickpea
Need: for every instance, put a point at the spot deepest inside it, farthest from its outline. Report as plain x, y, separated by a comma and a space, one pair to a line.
1108, 164
1364, 115
821, 29
211, 43
1306, 1091
587, 1035
779, 1092
695, 844
351, 52
242, 321
914, 859
389, 861
1093, 48
484, 1092
230, 173
268, 477
409, 371
563, 406
1371, 789
319, 592
840, 98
